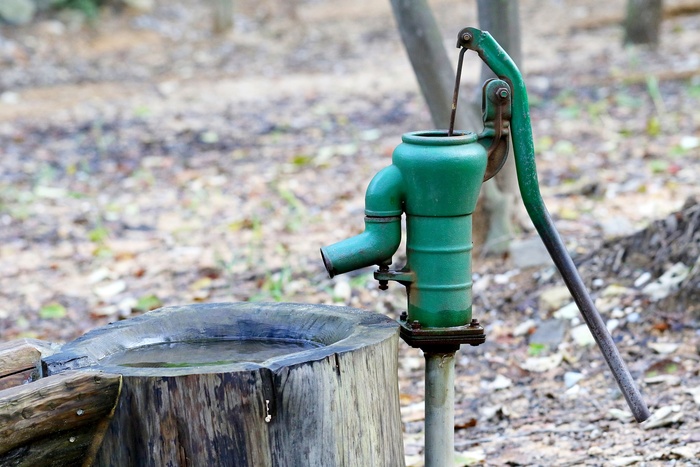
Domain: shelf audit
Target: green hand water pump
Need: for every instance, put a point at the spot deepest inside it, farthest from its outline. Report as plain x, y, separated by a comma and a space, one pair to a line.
434, 179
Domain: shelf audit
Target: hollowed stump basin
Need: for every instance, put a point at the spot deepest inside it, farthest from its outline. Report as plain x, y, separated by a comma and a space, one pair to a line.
247, 384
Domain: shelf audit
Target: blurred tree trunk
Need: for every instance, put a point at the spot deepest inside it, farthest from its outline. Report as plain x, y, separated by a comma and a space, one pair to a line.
643, 22
501, 200
222, 15
422, 39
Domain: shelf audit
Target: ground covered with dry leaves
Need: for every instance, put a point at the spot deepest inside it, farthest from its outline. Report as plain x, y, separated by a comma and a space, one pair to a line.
146, 162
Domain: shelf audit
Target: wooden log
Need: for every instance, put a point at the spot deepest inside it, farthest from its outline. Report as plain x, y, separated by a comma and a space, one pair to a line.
59, 420
20, 361
332, 403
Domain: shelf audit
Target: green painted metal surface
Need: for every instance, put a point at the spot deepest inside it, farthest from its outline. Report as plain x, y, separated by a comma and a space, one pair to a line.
442, 175
435, 180
439, 256
523, 145
375, 245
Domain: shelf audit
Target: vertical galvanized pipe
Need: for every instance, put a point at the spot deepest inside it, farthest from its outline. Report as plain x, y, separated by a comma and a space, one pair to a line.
439, 409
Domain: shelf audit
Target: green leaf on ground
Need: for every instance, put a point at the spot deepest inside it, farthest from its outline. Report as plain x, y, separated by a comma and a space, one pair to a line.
658, 166
52, 311
148, 303
535, 350
653, 126
98, 234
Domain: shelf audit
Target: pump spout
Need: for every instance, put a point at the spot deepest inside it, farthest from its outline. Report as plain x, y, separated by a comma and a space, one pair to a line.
375, 245
382, 235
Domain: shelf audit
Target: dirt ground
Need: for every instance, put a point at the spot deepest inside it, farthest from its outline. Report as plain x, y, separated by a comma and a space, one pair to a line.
148, 162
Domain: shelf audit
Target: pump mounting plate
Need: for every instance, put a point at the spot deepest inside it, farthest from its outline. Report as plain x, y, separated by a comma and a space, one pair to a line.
437, 340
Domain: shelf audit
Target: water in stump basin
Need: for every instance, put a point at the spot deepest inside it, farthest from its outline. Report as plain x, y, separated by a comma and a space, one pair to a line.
210, 352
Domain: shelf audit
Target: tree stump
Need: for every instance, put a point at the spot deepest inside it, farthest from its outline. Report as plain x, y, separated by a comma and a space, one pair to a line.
326, 395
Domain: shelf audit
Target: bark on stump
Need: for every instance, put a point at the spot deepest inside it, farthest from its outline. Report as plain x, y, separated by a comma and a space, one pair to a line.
335, 404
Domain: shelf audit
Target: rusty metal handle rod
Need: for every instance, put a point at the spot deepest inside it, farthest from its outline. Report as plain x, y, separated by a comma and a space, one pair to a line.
523, 148
455, 95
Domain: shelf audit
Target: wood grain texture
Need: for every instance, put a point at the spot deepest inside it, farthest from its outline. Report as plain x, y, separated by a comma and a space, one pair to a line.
17, 356
17, 379
335, 405
58, 420
19, 361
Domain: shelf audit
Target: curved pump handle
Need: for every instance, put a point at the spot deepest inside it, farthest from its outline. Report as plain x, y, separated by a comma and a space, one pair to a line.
524, 153
495, 107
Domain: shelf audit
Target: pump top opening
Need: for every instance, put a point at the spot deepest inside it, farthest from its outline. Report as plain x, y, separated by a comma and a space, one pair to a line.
439, 137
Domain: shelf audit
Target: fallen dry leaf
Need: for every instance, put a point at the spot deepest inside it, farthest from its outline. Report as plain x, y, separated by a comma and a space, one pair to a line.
663, 416
542, 364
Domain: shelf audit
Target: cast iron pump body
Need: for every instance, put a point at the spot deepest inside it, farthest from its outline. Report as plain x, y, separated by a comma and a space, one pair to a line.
434, 179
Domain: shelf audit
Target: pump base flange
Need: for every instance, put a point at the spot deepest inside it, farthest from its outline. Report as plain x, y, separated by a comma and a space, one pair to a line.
441, 340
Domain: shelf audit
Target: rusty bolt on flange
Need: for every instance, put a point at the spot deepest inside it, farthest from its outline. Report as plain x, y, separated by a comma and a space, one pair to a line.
383, 283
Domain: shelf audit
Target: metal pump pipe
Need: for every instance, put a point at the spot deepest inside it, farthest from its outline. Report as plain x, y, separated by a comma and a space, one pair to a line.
439, 409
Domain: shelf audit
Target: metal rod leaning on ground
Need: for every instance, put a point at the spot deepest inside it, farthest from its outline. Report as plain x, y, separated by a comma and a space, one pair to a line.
439, 409
524, 152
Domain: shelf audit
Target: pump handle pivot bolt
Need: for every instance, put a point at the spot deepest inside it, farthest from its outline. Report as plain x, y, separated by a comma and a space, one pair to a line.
463, 38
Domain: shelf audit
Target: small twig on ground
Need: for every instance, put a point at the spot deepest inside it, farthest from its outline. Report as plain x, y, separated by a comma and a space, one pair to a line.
490, 439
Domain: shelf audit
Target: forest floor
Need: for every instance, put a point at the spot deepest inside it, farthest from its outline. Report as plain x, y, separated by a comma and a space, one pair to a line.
148, 162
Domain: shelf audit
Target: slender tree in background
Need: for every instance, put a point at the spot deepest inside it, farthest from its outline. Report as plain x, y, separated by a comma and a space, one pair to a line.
423, 40
222, 15
501, 199
643, 21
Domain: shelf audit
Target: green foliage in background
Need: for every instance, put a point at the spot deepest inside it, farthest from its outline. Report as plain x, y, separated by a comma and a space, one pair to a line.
90, 8
22, 12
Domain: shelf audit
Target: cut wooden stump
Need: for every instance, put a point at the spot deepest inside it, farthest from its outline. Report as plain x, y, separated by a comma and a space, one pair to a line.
56, 421
331, 403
